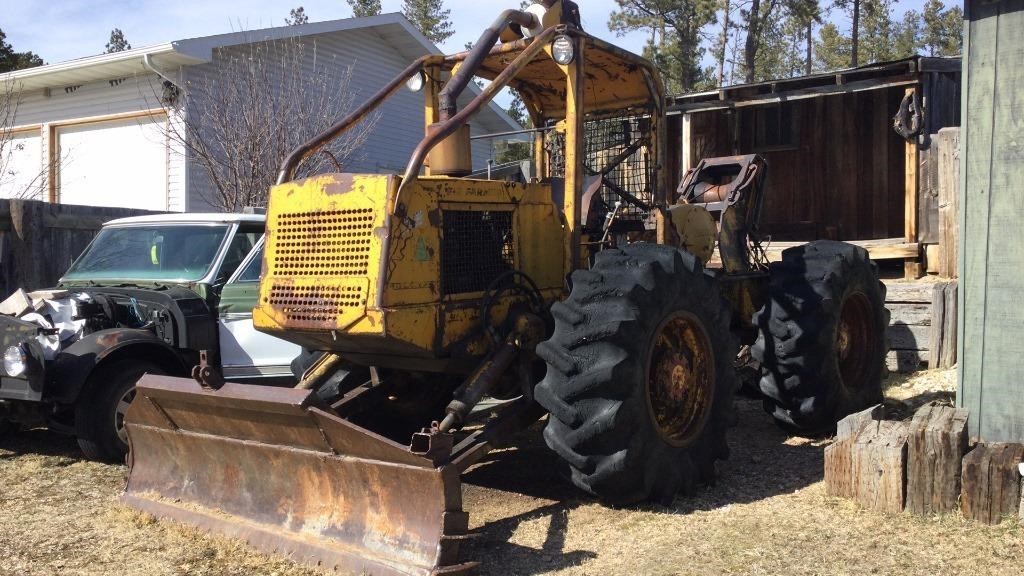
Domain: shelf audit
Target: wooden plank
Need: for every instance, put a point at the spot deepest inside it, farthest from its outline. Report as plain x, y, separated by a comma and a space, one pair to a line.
1001, 402
948, 145
877, 249
932, 258
881, 131
905, 361
942, 352
903, 337
951, 326
937, 442
928, 194
991, 482
878, 466
912, 265
979, 85
908, 292
913, 314
936, 336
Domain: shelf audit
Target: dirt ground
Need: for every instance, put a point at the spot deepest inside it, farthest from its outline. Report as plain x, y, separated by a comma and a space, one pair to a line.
768, 514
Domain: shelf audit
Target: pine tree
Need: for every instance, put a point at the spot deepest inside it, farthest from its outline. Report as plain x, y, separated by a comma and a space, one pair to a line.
877, 32
297, 17
908, 35
431, 17
11, 60
364, 8
832, 49
675, 44
942, 33
117, 42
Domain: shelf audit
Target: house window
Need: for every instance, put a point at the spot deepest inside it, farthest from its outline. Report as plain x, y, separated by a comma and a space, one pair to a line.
775, 127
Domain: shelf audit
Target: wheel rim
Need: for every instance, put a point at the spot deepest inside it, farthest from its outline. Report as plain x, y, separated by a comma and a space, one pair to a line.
119, 411
854, 340
680, 381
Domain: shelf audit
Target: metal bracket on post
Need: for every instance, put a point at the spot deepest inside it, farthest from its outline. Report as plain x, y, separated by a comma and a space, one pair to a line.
207, 376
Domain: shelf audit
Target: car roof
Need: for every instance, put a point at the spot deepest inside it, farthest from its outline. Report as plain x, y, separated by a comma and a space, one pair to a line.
190, 218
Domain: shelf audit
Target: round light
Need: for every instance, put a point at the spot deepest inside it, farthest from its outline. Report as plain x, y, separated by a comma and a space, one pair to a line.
15, 361
562, 50
417, 82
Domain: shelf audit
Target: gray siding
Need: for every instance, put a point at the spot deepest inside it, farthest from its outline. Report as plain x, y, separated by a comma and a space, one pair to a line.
992, 209
399, 121
74, 104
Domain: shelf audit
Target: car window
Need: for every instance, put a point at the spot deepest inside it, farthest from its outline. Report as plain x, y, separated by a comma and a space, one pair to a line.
239, 248
172, 252
251, 272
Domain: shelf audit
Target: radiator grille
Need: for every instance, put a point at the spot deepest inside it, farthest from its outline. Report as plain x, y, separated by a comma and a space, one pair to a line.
323, 243
478, 246
317, 304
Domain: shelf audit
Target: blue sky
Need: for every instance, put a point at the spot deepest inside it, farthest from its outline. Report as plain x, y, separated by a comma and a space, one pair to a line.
64, 29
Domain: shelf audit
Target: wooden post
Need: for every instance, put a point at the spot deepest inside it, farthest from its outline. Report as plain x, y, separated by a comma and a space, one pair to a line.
937, 441
942, 332
868, 461
948, 145
991, 482
912, 266
838, 459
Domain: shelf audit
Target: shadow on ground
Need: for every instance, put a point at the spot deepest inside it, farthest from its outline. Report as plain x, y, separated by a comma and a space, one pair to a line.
40, 442
764, 462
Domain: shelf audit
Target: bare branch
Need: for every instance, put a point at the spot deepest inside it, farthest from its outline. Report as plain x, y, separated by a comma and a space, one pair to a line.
239, 117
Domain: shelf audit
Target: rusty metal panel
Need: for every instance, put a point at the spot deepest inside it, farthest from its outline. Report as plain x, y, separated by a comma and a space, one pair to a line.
262, 464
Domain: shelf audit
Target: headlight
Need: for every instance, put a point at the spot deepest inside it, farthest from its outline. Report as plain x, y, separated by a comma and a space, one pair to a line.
15, 361
417, 82
563, 50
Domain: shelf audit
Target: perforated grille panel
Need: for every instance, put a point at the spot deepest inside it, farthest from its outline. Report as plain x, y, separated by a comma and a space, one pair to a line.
316, 304
323, 243
478, 247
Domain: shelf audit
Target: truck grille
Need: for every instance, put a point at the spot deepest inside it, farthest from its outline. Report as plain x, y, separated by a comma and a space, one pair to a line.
323, 243
316, 304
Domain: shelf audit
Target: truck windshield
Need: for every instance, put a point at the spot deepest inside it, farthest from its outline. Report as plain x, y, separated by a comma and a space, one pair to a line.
179, 252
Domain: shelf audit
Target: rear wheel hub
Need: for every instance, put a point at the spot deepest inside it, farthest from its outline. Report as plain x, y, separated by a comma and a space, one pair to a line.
681, 376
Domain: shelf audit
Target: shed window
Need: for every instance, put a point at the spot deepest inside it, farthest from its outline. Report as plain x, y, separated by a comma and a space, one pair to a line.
775, 127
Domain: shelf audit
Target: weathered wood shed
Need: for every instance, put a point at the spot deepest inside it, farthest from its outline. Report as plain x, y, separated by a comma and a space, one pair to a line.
837, 167
992, 212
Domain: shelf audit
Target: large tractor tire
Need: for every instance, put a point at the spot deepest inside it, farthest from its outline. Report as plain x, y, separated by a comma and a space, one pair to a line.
640, 377
821, 336
99, 414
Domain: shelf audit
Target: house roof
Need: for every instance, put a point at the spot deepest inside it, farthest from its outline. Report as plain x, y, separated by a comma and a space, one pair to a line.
393, 28
906, 71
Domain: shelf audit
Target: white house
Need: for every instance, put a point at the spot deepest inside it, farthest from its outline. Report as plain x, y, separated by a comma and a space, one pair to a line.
92, 131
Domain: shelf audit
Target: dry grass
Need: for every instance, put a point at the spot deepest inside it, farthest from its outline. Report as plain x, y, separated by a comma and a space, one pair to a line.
767, 515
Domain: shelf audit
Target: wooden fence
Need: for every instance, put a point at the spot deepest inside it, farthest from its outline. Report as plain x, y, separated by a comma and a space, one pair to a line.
39, 240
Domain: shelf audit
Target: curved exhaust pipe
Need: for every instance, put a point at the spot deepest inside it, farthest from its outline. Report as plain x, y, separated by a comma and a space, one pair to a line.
448, 98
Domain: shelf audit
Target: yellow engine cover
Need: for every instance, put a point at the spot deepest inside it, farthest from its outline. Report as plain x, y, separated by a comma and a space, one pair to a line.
350, 268
696, 228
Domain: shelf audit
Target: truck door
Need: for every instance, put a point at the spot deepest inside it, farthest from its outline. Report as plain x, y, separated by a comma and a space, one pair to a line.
247, 355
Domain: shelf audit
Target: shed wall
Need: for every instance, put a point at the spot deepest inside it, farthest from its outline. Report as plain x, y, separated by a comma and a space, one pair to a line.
992, 209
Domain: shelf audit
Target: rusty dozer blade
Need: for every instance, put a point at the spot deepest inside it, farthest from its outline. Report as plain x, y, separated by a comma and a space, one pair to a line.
266, 465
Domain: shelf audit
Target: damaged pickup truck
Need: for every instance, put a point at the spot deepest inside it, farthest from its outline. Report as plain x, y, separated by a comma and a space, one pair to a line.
146, 296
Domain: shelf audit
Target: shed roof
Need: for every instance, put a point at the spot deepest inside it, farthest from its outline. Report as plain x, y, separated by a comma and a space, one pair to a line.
393, 28
873, 76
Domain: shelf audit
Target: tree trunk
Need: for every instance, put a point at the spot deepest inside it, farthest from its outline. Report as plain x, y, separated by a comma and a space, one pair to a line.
856, 33
685, 62
810, 43
724, 41
753, 33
